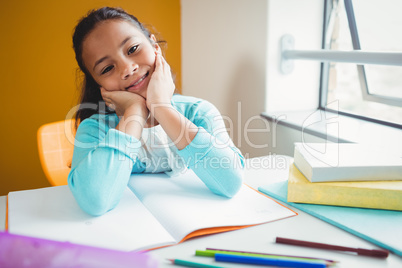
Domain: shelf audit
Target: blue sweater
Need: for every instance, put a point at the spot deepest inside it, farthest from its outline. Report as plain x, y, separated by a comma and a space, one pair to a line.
104, 158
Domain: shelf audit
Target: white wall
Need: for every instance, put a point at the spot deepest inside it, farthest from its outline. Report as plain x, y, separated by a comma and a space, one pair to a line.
303, 20
298, 90
230, 56
282, 142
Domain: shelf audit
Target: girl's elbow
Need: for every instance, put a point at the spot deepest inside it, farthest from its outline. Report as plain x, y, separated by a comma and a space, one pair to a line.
237, 183
92, 201
95, 208
234, 184
93, 204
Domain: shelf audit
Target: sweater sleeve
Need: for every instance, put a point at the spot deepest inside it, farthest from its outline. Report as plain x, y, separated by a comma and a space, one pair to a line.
102, 162
212, 154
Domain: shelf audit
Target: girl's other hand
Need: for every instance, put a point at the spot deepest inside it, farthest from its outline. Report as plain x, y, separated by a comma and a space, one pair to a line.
123, 101
161, 86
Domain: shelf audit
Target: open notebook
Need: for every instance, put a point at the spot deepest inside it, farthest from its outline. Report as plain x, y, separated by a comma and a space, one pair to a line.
155, 211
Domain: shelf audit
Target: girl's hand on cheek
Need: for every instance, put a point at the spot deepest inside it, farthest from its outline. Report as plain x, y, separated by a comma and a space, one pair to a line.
122, 101
161, 86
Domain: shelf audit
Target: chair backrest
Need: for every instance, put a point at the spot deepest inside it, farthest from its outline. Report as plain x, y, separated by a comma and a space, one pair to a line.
56, 145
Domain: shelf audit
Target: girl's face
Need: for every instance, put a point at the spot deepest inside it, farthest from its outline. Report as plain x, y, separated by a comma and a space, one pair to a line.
119, 56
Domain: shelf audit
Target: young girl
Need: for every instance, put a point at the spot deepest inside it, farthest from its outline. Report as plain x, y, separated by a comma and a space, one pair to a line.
145, 127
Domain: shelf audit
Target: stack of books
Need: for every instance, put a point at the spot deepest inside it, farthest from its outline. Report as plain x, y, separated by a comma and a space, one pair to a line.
345, 174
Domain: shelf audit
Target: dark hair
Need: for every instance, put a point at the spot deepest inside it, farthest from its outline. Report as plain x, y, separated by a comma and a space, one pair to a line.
90, 89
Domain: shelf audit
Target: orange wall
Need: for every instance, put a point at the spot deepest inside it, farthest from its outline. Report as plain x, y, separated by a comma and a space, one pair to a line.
38, 70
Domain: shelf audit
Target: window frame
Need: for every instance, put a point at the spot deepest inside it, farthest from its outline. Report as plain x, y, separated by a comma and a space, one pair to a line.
325, 67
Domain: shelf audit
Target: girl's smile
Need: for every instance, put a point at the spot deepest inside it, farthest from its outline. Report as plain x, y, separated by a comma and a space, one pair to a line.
120, 57
138, 84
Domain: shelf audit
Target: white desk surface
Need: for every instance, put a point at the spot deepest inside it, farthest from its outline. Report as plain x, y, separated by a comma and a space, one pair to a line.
262, 171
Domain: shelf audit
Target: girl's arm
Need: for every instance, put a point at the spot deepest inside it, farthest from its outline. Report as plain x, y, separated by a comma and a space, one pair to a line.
205, 146
103, 160
203, 141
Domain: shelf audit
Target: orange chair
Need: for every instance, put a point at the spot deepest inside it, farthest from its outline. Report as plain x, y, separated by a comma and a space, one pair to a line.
56, 145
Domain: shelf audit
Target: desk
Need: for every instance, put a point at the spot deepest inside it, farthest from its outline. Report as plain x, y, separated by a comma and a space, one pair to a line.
262, 171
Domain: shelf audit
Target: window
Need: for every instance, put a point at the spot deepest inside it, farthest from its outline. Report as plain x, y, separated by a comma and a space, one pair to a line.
372, 92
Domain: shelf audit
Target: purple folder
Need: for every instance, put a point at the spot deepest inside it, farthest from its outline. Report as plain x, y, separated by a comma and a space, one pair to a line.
23, 251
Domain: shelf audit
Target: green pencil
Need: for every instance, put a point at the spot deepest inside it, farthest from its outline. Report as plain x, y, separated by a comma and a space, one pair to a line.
192, 264
211, 253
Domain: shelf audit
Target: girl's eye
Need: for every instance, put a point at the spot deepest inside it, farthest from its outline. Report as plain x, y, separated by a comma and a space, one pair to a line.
132, 49
107, 69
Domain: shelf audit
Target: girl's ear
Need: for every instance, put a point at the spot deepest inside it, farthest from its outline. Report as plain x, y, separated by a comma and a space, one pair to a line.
155, 44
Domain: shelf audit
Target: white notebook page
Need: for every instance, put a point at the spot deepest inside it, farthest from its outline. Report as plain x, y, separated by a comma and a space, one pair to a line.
52, 213
184, 204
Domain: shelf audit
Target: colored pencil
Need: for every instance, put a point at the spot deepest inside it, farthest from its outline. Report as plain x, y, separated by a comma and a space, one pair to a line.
216, 250
211, 253
192, 264
360, 251
267, 261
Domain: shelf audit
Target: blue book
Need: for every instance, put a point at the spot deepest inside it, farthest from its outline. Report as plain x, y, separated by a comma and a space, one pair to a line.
381, 227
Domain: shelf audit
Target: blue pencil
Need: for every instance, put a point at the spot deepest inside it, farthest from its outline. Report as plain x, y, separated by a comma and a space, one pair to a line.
192, 264
266, 261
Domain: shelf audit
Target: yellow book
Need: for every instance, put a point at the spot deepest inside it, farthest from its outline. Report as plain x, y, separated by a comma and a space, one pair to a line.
370, 194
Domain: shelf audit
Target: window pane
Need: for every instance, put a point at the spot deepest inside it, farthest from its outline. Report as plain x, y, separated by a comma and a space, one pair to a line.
344, 84
384, 80
346, 90
379, 25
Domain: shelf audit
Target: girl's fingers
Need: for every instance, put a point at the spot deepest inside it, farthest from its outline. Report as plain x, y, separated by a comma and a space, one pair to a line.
157, 62
103, 92
110, 104
164, 65
107, 98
